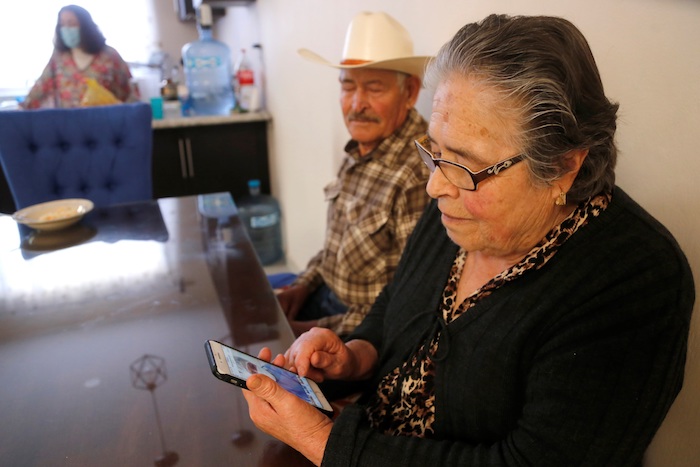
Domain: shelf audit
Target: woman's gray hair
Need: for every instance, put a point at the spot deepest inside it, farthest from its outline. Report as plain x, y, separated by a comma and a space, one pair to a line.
545, 71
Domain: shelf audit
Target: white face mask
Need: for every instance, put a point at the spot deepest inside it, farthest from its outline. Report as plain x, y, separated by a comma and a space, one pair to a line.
70, 36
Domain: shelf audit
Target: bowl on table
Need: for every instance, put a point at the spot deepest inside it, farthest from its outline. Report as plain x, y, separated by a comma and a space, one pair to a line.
54, 215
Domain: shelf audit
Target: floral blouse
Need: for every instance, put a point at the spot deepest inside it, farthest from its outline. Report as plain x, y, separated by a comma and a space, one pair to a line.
62, 83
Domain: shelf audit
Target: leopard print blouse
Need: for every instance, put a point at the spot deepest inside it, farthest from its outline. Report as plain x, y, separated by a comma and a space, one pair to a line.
404, 403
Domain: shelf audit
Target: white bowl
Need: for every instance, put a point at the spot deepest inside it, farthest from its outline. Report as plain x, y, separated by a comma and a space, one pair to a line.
54, 215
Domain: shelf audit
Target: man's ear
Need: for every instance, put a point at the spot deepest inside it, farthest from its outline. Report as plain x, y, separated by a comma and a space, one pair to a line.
412, 86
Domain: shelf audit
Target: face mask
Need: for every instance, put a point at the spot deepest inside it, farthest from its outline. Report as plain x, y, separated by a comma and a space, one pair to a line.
70, 36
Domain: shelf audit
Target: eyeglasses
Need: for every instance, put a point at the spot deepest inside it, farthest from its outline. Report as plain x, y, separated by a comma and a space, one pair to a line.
459, 175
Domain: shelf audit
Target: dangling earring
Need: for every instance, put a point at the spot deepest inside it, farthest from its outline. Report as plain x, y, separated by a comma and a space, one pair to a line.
561, 199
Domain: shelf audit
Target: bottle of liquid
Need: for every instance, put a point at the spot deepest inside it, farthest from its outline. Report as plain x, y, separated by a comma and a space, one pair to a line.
168, 91
168, 86
247, 90
261, 216
207, 66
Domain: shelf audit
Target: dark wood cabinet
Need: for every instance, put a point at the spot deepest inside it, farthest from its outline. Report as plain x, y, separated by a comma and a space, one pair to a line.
210, 158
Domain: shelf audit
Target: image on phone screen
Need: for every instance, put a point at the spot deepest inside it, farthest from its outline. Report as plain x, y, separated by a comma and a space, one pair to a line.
234, 366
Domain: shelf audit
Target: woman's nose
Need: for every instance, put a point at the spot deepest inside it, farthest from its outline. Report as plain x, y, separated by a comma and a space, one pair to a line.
438, 185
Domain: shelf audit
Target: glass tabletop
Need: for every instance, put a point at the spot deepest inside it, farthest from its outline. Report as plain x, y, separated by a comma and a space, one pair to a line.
102, 332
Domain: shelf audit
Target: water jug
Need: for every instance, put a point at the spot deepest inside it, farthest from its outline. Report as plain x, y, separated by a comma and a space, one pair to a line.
261, 216
207, 66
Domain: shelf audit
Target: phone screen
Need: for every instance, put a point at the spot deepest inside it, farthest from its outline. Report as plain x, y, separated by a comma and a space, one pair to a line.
241, 366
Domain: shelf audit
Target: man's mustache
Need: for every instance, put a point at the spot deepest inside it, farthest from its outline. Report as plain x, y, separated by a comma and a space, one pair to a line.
362, 117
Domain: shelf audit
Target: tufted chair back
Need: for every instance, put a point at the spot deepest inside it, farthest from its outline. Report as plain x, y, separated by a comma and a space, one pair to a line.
99, 153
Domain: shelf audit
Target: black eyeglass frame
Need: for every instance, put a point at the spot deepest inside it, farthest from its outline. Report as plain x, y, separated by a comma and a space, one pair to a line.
433, 162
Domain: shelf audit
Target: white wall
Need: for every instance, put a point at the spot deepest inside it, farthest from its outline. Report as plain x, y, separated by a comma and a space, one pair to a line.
170, 34
647, 51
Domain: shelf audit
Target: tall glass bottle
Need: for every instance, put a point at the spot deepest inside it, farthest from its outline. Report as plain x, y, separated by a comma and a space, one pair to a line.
207, 66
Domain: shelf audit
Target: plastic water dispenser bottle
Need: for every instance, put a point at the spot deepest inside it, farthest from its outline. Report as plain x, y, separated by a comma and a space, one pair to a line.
261, 216
207, 66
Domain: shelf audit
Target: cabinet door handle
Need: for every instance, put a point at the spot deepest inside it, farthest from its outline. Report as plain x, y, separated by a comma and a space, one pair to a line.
183, 166
190, 162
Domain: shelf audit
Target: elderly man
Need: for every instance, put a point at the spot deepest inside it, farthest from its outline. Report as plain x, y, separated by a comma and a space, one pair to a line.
379, 193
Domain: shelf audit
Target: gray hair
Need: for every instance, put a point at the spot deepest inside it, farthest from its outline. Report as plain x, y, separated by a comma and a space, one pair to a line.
545, 71
401, 80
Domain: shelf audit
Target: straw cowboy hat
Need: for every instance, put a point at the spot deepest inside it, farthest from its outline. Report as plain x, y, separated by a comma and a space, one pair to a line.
375, 40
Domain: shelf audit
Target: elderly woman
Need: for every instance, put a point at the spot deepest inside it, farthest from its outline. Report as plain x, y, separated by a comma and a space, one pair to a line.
539, 316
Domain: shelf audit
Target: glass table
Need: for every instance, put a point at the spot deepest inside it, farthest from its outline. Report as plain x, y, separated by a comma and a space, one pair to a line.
102, 331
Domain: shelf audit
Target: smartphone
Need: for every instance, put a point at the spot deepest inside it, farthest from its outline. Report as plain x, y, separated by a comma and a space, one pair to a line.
233, 366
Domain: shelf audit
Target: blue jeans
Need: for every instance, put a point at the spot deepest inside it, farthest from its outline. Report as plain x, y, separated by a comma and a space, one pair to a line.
282, 279
321, 303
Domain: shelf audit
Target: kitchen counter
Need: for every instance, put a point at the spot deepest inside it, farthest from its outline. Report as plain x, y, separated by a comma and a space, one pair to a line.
208, 120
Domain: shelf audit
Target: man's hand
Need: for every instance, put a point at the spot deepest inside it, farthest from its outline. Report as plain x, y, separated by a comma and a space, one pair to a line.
292, 299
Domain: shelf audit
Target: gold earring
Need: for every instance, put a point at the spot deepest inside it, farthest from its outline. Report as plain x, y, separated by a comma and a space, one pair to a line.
561, 199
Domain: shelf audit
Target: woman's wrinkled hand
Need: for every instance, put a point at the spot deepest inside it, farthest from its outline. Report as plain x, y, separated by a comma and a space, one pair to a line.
320, 354
285, 416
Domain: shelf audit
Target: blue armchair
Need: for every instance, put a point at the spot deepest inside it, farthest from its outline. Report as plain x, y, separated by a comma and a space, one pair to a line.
99, 153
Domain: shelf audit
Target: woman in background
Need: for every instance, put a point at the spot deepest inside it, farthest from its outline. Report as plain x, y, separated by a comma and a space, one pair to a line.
79, 52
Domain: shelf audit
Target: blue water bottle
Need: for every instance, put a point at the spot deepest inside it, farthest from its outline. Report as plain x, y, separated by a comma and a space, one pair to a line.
262, 219
207, 66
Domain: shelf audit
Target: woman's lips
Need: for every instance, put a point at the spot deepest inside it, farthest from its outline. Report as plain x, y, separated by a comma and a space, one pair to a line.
451, 219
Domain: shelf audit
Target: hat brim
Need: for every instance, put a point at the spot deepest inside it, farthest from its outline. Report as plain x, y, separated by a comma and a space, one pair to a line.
411, 65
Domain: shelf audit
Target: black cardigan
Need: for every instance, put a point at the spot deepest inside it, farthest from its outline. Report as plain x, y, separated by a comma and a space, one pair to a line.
573, 364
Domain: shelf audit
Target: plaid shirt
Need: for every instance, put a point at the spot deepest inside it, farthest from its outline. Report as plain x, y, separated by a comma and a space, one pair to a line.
373, 206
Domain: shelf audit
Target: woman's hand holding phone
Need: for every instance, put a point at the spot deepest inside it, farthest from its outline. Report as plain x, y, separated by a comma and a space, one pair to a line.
285, 416
236, 367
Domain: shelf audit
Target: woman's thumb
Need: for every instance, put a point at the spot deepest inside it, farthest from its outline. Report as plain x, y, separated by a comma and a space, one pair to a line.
261, 386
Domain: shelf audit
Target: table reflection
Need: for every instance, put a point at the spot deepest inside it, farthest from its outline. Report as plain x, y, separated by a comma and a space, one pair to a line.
152, 281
